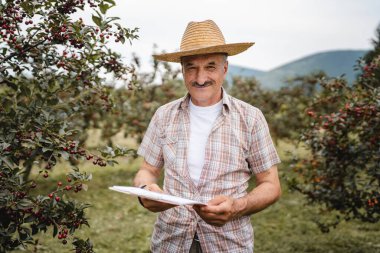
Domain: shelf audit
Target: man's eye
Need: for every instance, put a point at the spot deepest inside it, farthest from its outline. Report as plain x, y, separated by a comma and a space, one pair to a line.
211, 67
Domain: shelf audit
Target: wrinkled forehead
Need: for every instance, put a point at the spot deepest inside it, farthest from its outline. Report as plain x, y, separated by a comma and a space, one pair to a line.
216, 57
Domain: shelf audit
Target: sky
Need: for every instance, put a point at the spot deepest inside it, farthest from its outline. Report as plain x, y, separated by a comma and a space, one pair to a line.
283, 31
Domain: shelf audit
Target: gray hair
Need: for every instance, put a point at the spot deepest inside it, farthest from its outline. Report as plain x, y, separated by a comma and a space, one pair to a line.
225, 57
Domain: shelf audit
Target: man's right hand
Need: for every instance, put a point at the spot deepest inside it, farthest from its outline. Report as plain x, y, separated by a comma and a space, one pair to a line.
152, 205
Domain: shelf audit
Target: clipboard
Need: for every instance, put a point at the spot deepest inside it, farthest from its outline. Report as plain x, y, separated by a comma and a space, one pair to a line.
161, 197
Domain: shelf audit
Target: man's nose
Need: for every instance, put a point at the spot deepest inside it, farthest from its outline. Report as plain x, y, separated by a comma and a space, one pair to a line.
201, 77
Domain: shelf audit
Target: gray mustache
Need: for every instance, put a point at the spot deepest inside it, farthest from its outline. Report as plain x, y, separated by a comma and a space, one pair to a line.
205, 84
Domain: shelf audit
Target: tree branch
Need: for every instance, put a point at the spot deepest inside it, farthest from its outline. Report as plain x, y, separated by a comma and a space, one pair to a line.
24, 49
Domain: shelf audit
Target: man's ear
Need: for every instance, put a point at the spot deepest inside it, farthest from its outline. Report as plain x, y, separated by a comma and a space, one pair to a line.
225, 68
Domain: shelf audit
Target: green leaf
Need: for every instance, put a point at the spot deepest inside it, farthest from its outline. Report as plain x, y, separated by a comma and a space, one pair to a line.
104, 7
46, 114
25, 91
109, 20
122, 39
112, 162
55, 230
64, 155
24, 203
7, 103
97, 20
34, 229
26, 6
29, 219
23, 236
53, 101
44, 149
12, 228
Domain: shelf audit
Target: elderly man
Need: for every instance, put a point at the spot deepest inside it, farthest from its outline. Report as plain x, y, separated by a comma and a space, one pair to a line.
209, 144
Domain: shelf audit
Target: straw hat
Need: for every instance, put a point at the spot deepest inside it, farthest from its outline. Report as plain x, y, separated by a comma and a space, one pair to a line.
203, 38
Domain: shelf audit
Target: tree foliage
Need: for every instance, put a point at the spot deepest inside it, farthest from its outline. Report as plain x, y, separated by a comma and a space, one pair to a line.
343, 172
155, 88
51, 91
284, 109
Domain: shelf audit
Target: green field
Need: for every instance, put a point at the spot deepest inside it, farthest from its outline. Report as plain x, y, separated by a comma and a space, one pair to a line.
120, 224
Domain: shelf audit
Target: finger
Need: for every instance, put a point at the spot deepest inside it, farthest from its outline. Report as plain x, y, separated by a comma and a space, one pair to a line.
217, 223
222, 208
210, 207
217, 200
210, 215
154, 188
197, 207
156, 206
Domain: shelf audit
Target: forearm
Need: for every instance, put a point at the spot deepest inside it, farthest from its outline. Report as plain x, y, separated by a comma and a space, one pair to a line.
258, 199
263, 195
146, 175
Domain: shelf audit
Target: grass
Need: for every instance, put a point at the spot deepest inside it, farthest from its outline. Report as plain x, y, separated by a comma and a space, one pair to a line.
120, 224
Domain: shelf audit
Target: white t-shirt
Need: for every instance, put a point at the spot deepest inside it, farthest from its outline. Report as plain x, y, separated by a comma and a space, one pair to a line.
201, 122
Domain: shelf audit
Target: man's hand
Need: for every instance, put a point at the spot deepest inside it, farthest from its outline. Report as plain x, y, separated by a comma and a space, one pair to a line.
152, 205
148, 175
220, 210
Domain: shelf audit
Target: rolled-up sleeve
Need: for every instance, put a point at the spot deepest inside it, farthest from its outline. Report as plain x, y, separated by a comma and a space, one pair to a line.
151, 148
262, 154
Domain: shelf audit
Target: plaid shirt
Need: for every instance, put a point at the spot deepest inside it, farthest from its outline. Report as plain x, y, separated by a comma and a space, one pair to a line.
239, 146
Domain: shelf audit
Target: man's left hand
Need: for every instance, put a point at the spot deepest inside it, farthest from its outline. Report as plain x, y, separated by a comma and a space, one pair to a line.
220, 210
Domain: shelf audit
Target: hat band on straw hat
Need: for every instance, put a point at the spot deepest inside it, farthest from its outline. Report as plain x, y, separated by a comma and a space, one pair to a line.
203, 38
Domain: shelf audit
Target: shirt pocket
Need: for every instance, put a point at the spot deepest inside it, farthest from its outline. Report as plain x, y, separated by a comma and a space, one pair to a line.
169, 150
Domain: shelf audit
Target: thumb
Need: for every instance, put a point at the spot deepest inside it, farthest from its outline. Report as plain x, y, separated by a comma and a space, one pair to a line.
154, 188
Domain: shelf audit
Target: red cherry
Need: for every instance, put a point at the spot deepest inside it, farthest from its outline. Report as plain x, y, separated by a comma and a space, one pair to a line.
311, 113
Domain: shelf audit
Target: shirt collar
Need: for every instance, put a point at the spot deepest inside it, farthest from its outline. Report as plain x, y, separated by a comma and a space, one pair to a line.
184, 104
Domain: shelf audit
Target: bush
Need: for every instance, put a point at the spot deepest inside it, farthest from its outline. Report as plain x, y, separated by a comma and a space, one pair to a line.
343, 173
51, 92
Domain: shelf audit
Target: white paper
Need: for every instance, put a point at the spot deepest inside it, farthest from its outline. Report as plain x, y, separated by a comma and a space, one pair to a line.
161, 197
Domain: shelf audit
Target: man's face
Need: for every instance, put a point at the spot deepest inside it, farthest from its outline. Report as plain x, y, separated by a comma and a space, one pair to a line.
204, 76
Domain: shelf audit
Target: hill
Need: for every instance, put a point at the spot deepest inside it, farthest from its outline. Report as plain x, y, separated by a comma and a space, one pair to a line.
333, 63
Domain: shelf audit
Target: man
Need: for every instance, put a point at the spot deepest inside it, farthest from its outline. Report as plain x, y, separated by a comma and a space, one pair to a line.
209, 145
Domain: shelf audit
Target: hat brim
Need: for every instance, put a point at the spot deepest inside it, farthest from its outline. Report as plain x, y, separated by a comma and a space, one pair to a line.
229, 49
